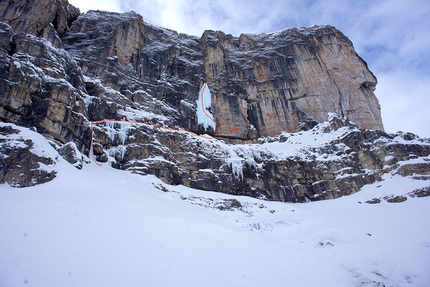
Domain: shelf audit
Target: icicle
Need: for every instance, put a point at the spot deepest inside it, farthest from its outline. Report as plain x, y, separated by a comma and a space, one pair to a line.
236, 163
111, 130
123, 132
122, 150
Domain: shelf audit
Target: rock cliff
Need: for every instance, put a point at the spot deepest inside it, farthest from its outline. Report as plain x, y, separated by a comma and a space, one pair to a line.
47, 18
63, 74
260, 84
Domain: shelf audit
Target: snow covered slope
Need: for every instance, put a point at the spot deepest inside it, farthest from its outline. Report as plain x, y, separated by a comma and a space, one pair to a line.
104, 227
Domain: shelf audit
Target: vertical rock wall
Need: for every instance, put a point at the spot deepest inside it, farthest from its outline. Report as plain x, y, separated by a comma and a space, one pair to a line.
262, 84
288, 80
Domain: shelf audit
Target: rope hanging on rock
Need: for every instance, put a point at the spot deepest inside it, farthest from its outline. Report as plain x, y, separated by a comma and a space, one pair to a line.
92, 123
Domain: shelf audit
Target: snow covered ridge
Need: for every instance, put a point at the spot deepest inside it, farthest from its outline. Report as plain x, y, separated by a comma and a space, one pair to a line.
333, 159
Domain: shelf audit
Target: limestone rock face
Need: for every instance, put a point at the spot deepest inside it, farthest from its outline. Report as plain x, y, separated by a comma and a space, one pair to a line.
151, 69
261, 85
282, 81
64, 74
36, 17
41, 86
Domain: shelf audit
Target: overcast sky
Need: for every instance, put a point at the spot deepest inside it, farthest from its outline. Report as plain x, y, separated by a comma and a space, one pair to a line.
392, 36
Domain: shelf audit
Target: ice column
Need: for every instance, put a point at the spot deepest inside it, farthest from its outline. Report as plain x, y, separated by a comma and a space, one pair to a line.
204, 116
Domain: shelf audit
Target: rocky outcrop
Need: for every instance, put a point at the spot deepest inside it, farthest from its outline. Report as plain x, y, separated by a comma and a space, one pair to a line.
42, 87
71, 154
47, 18
60, 73
22, 163
333, 159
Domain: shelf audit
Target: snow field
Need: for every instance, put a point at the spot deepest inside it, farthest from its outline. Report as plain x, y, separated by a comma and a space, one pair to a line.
103, 227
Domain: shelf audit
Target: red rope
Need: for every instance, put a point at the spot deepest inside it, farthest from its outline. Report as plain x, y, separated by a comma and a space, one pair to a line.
154, 125
136, 123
